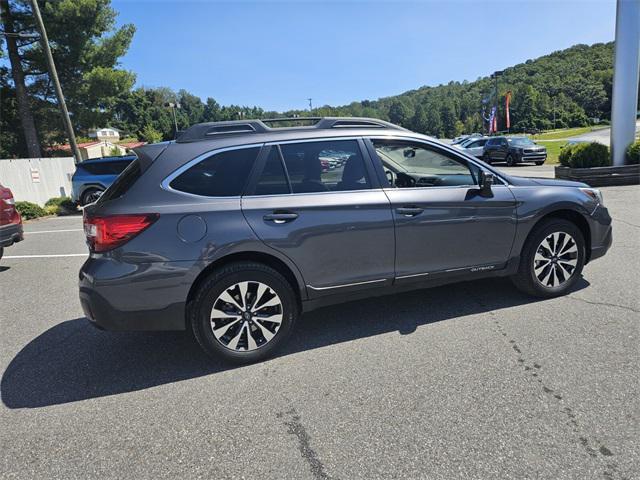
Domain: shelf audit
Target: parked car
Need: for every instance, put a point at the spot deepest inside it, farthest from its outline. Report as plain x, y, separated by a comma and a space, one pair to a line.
475, 147
513, 150
10, 220
94, 176
233, 230
463, 138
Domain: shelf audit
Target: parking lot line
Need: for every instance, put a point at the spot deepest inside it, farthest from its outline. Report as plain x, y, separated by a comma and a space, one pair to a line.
56, 231
47, 256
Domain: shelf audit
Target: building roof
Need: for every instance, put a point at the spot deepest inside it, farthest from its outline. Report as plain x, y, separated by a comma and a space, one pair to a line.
131, 144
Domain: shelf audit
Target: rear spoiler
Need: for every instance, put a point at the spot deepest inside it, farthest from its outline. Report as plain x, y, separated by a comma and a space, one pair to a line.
147, 154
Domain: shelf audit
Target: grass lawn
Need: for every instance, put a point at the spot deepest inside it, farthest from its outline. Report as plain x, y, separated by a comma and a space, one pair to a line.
553, 150
564, 133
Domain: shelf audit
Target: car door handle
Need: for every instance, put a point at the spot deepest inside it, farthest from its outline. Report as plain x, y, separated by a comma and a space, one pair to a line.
409, 211
280, 217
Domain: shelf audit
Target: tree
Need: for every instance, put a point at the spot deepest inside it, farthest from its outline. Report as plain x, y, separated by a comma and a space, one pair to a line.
86, 47
150, 134
398, 113
17, 72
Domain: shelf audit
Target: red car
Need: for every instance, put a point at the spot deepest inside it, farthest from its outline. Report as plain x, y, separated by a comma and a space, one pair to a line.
10, 220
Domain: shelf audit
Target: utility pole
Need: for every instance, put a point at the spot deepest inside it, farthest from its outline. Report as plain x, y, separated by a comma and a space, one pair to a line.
310, 104
173, 106
56, 83
554, 113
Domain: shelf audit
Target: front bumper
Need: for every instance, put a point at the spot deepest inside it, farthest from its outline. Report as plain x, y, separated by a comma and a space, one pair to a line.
601, 233
10, 234
532, 157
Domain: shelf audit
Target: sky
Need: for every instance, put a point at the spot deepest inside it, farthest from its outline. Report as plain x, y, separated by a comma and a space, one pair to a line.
276, 55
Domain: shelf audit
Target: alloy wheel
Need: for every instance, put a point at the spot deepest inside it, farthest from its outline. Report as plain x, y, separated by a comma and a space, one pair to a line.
246, 316
555, 260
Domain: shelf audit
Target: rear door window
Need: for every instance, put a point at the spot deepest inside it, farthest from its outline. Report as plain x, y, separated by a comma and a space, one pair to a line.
325, 166
223, 174
273, 179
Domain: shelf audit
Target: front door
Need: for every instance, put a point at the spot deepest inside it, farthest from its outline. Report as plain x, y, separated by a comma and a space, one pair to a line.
443, 223
320, 204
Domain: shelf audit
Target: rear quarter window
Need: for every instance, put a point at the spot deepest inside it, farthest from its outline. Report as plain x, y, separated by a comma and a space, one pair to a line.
222, 174
123, 183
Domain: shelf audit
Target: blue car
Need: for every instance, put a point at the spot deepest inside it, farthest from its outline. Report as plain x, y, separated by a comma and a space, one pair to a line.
92, 177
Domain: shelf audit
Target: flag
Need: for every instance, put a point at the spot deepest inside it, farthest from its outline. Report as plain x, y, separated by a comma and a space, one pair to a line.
492, 121
507, 100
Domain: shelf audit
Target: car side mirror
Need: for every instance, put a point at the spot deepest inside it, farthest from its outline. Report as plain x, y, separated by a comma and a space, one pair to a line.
486, 181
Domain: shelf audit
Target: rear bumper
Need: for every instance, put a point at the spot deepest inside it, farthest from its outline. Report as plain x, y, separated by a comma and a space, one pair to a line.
121, 296
10, 234
101, 314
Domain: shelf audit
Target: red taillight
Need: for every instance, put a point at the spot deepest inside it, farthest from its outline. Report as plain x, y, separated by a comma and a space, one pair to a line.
108, 232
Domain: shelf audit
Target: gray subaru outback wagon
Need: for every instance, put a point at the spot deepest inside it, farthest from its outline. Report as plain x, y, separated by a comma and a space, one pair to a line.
236, 228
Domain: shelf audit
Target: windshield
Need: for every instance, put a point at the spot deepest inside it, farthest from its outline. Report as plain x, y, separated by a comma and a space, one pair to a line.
520, 141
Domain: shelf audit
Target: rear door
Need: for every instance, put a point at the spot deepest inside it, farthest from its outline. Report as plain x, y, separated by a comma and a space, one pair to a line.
333, 222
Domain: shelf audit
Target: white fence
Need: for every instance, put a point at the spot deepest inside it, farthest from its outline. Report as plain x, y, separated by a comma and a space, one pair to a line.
37, 179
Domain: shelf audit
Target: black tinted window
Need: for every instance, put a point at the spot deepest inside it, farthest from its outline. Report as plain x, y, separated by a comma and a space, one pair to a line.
106, 168
123, 183
325, 166
273, 180
221, 175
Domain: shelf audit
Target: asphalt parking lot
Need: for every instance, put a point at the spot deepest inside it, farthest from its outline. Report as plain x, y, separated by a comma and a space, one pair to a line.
473, 380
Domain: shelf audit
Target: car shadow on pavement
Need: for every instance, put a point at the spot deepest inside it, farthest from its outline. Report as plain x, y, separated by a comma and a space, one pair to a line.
73, 361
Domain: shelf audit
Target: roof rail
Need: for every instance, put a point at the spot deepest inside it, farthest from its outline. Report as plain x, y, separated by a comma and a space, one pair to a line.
203, 131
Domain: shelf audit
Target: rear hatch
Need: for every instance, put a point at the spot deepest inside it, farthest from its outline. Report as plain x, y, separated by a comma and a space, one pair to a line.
104, 231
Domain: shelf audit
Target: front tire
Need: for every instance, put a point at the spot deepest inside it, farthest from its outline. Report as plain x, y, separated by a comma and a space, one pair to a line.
486, 158
552, 259
510, 161
539, 163
243, 312
1, 252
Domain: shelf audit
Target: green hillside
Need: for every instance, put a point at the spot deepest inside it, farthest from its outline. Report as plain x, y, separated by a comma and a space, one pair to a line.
576, 82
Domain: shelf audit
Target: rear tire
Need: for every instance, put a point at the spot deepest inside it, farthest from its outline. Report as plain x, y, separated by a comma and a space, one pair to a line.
552, 259
90, 195
243, 312
486, 159
1, 252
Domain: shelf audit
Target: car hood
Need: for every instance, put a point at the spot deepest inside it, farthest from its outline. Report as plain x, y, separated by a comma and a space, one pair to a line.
545, 182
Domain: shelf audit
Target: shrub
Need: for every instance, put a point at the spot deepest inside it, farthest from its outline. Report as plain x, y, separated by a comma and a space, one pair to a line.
633, 153
585, 155
60, 206
30, 210
565, 155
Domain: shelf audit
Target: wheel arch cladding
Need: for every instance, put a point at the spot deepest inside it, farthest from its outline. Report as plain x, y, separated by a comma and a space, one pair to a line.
259, 257
578, 220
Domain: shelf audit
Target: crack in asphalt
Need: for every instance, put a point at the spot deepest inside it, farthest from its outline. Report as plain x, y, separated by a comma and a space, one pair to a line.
296, 428
593, 448
603, 304
626, 223
533, 370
